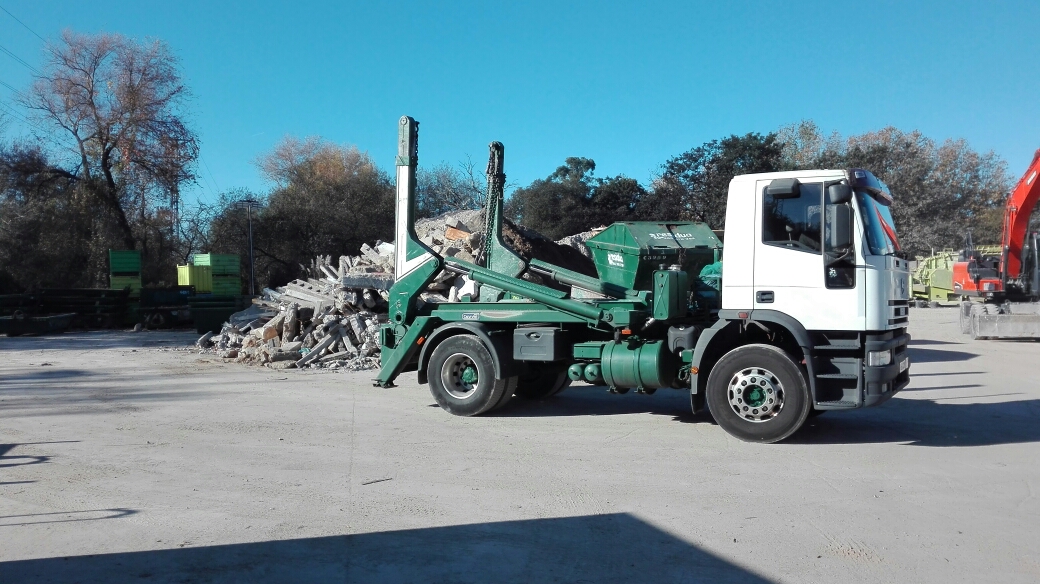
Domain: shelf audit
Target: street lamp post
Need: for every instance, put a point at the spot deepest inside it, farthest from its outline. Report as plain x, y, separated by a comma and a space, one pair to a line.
248, 205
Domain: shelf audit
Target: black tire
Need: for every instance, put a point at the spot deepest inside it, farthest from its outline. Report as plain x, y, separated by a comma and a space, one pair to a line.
155, 320
507, 394
539, 380
775, 400
462, 376
979, 310
965, 320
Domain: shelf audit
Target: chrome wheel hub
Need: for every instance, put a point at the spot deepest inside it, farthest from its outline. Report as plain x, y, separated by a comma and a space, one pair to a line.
755, 394
459, 376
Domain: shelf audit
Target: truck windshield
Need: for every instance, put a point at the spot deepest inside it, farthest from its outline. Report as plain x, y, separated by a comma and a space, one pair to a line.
878, 223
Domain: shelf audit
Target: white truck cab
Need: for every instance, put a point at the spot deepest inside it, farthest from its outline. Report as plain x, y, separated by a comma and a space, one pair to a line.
811, 265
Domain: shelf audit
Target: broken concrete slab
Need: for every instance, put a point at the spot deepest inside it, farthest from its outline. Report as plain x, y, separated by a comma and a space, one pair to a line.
368, 281
315, 352
454, 234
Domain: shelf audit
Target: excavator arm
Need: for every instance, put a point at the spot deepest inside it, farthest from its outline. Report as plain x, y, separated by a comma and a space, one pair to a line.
1019, 208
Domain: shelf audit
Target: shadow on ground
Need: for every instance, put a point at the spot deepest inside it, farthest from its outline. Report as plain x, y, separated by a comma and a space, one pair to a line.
63, 516
938, 422
587, 400
919, 422
7, 460
596, 548
48, 391
919, 355
95, 339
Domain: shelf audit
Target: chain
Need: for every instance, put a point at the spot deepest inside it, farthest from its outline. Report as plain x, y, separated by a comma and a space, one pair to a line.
682, 249
496, 182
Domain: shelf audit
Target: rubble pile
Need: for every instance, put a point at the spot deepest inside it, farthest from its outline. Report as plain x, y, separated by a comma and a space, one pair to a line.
331, 318
577, 241
291, 335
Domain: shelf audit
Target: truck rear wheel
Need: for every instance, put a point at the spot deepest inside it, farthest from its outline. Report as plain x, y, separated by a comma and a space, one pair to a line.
462, 377
758, 393
541, 380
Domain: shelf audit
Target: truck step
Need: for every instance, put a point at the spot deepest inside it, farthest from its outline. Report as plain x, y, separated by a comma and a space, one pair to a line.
836, 405
837, 376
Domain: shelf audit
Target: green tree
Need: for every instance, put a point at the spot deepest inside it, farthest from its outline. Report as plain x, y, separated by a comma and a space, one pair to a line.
942, 191
46, 228
558, 205
615, 199
694, 185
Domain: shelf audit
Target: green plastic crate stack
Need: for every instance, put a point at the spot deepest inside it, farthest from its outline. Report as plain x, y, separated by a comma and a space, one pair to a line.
226, 269
125, 270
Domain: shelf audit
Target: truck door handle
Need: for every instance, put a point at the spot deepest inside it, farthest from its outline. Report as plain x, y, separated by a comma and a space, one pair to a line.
764, 297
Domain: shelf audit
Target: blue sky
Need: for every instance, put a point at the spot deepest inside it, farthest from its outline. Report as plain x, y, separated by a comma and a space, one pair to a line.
628, 84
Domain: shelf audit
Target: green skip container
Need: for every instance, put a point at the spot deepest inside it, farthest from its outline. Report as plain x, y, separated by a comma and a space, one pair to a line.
627, 254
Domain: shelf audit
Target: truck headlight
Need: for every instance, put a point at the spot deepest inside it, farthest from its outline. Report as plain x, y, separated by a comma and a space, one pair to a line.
879, 358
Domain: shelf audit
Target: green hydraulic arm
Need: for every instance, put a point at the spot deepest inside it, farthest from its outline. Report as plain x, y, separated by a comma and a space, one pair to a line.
554, 298
572, 278
495, 254
415, 264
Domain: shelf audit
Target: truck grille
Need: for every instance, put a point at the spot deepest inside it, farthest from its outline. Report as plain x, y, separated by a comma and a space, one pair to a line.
899, 312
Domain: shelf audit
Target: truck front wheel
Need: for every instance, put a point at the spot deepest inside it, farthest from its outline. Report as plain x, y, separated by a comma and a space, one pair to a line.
462, 377
757, 393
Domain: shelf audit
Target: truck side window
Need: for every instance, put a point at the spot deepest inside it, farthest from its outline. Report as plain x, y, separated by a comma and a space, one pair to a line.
794, 223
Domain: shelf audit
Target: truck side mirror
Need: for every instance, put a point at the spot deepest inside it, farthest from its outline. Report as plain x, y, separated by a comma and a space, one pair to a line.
840, 233
839, 193
784, 188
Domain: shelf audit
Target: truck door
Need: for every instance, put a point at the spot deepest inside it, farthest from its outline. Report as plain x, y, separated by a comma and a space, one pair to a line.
791, 275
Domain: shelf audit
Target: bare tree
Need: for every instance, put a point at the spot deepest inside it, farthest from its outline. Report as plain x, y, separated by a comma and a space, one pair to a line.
445, 188
120, 104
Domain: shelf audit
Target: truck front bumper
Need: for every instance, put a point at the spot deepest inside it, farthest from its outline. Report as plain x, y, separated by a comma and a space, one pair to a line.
882, 382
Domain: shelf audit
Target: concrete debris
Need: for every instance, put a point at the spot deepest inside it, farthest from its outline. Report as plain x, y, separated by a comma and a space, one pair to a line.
456, 234
324, 334
577, 241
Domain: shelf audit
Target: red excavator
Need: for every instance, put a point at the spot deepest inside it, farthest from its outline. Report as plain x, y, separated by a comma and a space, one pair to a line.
1008, 284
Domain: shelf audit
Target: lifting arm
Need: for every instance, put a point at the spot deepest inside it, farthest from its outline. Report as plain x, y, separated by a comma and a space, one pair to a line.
415, 264
495, 254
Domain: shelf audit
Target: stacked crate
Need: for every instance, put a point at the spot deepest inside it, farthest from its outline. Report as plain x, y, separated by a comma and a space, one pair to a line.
225, 270
125, 270
201, 277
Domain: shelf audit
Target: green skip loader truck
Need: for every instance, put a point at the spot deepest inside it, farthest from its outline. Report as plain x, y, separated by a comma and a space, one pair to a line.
810, 314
